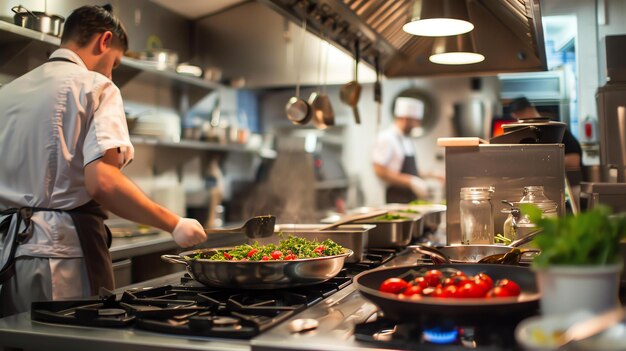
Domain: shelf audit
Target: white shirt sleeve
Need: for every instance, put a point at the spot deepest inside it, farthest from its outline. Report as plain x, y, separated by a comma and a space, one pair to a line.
108, 128
383, 150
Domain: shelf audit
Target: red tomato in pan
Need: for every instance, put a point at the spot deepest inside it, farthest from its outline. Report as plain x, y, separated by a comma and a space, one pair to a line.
510, 286
393, 285
433, 277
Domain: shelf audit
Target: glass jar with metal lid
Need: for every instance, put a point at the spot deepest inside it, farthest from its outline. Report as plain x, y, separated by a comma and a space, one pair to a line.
534, 194
476, 214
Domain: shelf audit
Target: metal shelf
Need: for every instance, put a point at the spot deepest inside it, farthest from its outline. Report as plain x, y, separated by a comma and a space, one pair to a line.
192, 145
23, 47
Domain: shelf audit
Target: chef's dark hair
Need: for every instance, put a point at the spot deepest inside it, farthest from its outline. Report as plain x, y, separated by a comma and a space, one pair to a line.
519, 104
86, 21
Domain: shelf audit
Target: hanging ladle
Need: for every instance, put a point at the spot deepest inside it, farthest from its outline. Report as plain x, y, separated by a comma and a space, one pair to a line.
297, 109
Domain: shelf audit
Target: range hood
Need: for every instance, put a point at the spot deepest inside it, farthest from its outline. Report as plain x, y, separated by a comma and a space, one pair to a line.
507, 32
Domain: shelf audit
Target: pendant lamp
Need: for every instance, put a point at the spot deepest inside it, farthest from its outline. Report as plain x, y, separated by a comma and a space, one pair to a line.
435, 18
455, 50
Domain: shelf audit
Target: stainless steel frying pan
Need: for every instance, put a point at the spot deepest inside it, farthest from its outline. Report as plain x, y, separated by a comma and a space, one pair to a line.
259, 274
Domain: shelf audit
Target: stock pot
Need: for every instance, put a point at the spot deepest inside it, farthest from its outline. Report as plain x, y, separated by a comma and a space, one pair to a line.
39, 21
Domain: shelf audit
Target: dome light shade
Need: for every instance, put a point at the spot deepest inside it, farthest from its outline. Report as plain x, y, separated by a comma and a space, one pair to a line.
455, 50
435, 18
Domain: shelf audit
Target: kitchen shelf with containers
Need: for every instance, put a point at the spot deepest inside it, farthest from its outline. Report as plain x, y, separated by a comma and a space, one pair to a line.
16, 41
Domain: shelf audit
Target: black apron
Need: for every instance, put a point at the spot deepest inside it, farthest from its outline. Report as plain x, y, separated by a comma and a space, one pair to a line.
398, 194
93, 234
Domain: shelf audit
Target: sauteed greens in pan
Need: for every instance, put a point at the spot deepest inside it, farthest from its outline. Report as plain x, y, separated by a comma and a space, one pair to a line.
291, 248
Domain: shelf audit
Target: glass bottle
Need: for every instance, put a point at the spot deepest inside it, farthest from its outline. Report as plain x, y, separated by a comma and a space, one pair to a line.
534, 194
476, 215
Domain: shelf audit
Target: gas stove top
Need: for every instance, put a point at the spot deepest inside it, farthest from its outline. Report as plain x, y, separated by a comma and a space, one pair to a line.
190, 308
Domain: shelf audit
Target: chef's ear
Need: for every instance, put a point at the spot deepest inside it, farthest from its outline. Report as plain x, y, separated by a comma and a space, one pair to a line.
105, 41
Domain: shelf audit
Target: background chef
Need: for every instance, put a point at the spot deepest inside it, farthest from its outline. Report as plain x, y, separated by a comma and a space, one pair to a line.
394, 158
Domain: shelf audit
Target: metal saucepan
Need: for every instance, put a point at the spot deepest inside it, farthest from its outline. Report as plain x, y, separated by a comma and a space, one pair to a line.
321, 109
297, 109
427, 308
351, 91
259, 274
39, 21
473, 253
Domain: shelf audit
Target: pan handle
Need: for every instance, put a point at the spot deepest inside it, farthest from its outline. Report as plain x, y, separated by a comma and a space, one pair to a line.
430, 251
530, 236
174, 259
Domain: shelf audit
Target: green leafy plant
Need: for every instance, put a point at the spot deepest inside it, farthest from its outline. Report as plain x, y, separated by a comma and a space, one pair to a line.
589, 238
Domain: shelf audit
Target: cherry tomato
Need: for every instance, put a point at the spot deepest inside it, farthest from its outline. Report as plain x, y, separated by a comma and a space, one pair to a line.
486, 278
433, 277
450, 291
227, 256
265, 258
498, 291
320, 250
483, 285
393, 285
252, 252
276, 254
290, 257
510, 286
447, 292
413, 290
456, 280
420, 281
470, 290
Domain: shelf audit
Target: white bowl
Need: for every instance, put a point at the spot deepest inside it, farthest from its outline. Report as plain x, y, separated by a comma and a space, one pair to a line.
541, 333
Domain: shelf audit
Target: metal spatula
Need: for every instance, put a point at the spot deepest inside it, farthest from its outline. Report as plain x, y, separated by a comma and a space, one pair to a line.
255, 227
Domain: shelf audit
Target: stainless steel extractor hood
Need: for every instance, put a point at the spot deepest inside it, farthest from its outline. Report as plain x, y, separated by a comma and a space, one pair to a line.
507, 32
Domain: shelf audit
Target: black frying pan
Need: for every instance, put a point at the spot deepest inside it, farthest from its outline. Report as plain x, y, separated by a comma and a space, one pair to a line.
449, 308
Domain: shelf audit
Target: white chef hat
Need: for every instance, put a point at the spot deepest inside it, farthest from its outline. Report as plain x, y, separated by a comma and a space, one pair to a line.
409, 108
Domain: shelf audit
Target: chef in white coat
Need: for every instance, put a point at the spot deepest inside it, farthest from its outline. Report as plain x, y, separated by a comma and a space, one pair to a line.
394, 158
64, 139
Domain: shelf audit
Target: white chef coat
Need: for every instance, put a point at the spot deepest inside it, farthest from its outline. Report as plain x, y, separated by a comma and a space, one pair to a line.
391, 147
55, 120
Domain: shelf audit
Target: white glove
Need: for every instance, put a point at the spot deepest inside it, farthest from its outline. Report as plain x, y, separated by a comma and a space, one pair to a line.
419, 187
188, 232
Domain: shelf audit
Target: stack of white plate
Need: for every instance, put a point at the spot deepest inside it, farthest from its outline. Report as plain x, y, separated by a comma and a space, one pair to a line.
162, 125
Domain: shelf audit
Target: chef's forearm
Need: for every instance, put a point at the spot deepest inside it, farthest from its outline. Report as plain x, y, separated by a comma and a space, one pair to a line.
108, 186
391, 177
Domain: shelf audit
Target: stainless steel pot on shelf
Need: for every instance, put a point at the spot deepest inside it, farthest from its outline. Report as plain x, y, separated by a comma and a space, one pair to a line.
39, 21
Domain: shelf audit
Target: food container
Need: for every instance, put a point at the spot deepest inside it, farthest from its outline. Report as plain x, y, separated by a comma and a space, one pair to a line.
398, 209
39, 21
352, 236
390, 234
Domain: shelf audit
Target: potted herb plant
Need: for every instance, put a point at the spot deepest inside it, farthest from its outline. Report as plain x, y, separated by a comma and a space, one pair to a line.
580, 263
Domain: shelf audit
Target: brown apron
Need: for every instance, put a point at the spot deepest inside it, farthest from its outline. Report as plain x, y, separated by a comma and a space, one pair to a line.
398, 194
93, 234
